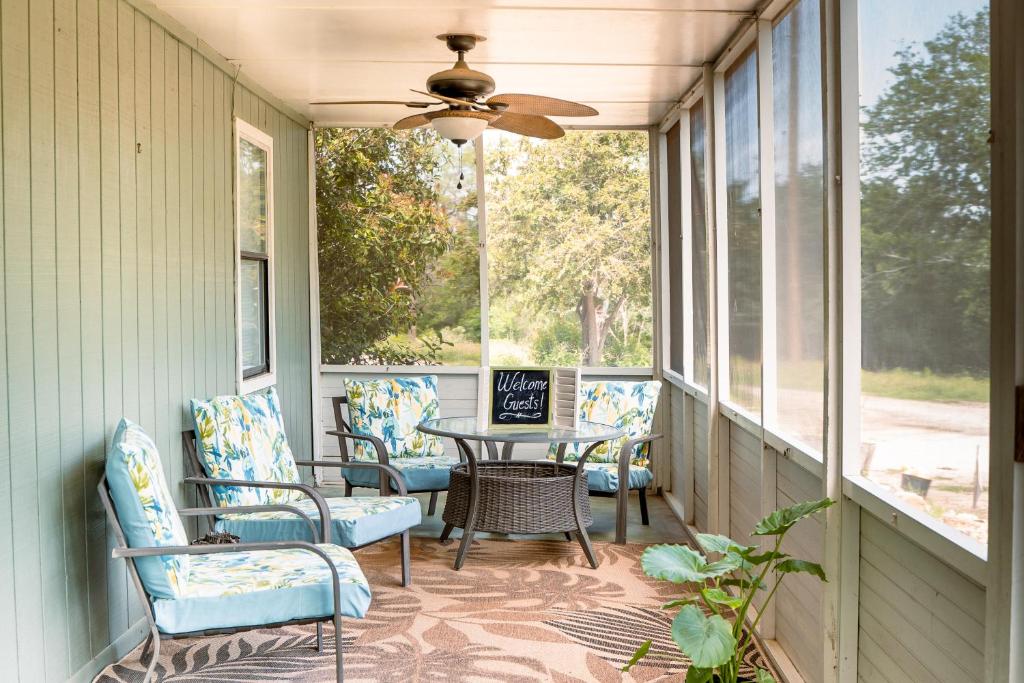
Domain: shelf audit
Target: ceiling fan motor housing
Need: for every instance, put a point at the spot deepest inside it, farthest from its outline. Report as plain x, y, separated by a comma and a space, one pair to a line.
460, 81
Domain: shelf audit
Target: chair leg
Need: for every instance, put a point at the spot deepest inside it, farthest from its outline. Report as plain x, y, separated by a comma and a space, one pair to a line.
348, 489
643, 507
154, 639
446, 532
568, 536
406, 568
320, 637
432, 507
621, 499
339, 674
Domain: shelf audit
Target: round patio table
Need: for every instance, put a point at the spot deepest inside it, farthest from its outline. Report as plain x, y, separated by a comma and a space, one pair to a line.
517, 496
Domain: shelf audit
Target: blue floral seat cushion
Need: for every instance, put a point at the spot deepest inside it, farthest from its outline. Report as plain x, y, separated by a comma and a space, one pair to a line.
228, 590
390, 409
628, 406
242, 437
355, 521
603, 477
429, 473
146, 509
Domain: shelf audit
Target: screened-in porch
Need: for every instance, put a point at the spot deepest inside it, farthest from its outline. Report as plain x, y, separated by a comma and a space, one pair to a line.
537, 341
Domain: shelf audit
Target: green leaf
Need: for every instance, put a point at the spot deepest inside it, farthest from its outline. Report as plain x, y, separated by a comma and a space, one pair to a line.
763, 676
638, 655
716, 543
721, 597
743, 583
680, 602
697, 675
707, 641
765, 557
792, 566
675, 563
780, 521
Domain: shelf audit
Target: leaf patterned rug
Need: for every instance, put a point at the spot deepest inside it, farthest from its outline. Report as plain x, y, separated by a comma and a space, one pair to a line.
519, 610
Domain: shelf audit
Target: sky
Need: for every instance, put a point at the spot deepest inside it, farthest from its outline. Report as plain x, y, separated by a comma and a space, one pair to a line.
887, 25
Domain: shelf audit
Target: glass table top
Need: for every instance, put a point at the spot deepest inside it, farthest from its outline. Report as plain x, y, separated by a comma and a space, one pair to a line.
467, 428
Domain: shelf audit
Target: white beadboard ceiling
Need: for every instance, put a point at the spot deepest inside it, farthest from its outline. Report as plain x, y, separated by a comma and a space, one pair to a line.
631, 60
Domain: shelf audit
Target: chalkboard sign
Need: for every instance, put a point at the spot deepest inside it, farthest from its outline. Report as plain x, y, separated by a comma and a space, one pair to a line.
520, 397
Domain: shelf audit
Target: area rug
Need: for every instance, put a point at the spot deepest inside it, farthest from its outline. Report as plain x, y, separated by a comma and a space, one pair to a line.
518, 611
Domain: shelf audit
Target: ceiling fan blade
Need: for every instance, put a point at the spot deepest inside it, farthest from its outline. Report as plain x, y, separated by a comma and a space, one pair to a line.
413, 105
528, 124
538, 104
414, 121
452, 100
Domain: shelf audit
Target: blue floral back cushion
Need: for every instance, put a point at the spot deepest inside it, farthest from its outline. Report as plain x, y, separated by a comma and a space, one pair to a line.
389, 409
242, 437
629, 406
145, 508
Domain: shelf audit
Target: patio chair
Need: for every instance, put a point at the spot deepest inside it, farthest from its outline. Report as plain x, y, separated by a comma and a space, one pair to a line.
194, 590
384, 414
241, 457
617, 467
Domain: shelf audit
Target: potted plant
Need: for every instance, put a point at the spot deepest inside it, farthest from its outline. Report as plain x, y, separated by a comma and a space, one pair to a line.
709, 627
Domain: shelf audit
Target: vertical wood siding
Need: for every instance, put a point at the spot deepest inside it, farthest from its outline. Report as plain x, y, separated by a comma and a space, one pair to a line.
700, 465
920, 620
744, 482
798, 604
678, 450
116, 295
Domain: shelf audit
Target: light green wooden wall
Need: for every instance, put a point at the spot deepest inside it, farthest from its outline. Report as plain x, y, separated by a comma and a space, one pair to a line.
117, 295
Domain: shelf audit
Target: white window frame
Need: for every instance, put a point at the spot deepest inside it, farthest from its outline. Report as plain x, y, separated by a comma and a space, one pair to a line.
253, 135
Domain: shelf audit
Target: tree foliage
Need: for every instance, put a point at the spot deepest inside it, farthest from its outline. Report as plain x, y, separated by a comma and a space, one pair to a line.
388, 230
569, 236
925, 207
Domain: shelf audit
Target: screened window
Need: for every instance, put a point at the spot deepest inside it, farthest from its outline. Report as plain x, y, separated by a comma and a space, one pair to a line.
399, 254
699, 245
925, 255
675, 251
799, 225
569, 249
254, 155
743, 225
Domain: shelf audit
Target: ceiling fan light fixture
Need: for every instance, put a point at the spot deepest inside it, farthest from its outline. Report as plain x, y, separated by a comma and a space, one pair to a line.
460, 126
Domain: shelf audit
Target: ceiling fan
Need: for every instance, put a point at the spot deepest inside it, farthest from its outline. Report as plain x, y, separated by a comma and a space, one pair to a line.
466, 115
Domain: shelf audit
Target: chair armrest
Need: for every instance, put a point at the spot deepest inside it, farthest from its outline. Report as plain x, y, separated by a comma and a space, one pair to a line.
393, 474
630, 444
234, 509
378, 445
318, 500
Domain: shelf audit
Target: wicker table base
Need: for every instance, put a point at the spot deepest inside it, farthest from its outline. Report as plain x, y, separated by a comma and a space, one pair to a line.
516, 497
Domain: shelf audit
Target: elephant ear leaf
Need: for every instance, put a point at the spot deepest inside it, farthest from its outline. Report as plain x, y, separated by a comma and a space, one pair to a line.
640, 653
716, 543
763, 676
780, 521
675, 563
792, 566
707, 641
696, 675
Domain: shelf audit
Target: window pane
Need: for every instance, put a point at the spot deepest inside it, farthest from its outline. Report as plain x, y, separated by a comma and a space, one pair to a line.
569, 250
398, 248
799, 225
253, 287
925, 250
252, 192
699, 246
675, 250
744, 233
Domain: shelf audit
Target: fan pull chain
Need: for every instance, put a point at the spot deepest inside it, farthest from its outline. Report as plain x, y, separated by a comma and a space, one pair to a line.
462, 176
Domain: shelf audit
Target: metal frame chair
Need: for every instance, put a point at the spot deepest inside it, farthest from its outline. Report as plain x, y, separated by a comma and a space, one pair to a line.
343, 430
204, 484
622, 495
124, 551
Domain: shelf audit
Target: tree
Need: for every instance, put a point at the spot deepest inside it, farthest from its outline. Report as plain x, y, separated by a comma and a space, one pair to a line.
382, 227
925, 207
569, 231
